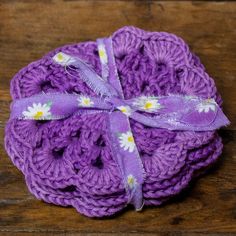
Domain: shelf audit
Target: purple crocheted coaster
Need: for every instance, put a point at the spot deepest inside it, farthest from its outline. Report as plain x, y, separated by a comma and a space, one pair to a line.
71, 158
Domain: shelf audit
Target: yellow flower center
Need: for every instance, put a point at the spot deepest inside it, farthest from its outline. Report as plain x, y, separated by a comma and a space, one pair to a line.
102, 53
124, 110
131, 139
86, 101
38, 115
209, 100
148, 105
60, 57
130, 180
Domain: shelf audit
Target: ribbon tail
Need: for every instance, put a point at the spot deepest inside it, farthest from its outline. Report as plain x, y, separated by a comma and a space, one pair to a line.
75, 66
56, 106
170, 122
129, 161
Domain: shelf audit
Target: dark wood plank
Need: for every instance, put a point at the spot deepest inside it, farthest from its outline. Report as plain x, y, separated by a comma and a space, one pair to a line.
29, 29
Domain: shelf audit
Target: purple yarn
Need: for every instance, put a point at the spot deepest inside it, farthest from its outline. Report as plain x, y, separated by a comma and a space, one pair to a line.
69, 162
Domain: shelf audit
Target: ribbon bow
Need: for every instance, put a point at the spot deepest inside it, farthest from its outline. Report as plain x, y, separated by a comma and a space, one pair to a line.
173, 112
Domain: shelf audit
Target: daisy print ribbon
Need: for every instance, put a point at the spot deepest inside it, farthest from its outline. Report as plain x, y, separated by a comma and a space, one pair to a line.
85, 101
172, 112
127, 141
38, 111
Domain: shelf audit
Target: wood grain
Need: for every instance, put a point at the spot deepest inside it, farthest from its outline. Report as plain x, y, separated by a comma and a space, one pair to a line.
29, 29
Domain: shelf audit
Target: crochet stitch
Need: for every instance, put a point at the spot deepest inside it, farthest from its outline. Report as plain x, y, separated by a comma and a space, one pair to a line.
69, 162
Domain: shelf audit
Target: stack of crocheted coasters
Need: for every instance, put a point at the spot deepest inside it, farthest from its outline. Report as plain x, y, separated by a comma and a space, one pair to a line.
70, 162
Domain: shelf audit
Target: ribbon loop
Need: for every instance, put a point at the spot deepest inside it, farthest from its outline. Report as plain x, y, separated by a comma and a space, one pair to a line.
86, 73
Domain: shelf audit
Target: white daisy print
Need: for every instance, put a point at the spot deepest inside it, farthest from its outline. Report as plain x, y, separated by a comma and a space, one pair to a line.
131, 181
85, 101
207, 105
127, 141
102, 53
148, 104
173, 121
125, 109
190, 97
63, 59
38, 111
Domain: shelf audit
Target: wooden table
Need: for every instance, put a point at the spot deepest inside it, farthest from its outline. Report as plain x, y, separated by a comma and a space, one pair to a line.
29, 29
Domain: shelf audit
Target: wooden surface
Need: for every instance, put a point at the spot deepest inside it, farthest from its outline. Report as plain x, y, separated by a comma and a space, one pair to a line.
29, 29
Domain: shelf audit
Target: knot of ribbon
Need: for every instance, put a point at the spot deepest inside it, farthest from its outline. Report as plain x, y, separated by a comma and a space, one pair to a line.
172, 112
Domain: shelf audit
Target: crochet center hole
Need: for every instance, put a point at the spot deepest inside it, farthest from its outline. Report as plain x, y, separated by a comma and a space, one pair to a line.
45, 85
76, 134
97, 162
178, 73
100, 141
76, 167
70, 188
141, 49
58, 153
144, 86
161, 66
41, 122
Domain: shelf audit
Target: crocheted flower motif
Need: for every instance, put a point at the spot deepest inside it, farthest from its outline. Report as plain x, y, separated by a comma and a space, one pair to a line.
38, 111
148, 104
131, 181
206, 106
125, 109
85, 101
102, 53
126, 141
62, 58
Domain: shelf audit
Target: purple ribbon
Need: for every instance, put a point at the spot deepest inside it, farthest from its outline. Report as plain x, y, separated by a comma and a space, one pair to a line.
173, 112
